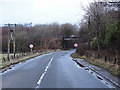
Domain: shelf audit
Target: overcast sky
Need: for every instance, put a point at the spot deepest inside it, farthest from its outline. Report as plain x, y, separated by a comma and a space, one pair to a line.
41, 11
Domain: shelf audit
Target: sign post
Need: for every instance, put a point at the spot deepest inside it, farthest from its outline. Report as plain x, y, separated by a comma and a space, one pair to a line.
75, 45
31, 46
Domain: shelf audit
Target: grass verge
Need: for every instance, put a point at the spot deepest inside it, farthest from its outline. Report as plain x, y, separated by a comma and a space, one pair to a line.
22, 59
112, 68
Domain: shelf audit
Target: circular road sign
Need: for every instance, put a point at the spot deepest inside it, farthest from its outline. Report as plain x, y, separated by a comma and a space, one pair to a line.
31, 45
75, 44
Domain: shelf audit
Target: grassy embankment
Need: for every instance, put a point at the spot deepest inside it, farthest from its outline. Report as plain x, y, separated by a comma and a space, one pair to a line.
112, 68
20, 59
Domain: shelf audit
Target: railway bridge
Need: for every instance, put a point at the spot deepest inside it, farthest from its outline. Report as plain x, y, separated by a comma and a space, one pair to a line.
68, 42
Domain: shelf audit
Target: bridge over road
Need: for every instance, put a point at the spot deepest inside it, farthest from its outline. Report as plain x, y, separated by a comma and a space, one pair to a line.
68, 42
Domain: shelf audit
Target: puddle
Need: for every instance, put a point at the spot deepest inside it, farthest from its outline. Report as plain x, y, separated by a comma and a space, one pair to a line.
107, 83
86, 68
79, 63
91, 72
99, 77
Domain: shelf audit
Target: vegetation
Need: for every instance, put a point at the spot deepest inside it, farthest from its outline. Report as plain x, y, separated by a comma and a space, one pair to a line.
100, 35
44, 37
112, 37
113, 69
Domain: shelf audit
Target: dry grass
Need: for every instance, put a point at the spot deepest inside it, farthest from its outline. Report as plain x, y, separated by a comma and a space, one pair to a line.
14, 61
6, 56
112, 68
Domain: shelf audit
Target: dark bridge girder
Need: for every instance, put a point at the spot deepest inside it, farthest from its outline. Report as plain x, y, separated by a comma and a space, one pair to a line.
68, 42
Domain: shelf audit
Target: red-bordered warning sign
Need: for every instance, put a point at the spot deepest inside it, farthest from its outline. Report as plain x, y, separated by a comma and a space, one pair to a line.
75, 44
31, 46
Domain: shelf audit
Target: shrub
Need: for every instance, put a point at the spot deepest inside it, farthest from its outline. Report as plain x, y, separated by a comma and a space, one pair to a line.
112, 37
82, 48
94, 43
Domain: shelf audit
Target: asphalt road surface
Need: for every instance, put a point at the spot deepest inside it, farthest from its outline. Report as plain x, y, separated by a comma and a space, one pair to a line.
53, 70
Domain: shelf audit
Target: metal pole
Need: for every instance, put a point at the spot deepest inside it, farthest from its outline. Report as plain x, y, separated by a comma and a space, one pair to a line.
8, 42
14, 42
31, 50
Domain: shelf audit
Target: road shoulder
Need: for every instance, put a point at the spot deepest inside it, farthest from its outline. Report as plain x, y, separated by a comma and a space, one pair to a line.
114, 80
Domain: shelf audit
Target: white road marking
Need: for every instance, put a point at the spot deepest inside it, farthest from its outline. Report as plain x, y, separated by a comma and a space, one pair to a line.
42, 76
46, 68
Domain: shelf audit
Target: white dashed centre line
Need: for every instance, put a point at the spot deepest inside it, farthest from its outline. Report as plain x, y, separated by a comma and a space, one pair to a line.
42, 76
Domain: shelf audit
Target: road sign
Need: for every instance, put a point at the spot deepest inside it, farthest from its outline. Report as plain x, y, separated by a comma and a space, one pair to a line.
31, 45
75, 44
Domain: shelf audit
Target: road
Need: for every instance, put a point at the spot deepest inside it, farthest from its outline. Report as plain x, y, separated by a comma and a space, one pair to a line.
53, 70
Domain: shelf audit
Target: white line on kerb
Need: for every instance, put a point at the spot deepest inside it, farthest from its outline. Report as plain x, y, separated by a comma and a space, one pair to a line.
42, 76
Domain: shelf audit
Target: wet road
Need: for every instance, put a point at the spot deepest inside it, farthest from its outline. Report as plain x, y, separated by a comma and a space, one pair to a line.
53, 70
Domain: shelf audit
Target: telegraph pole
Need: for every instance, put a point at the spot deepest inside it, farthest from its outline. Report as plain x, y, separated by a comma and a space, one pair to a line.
8, 42
14, 42
11, 37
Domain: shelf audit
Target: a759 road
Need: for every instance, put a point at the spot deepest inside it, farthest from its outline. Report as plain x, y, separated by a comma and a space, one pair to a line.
53, 70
